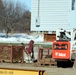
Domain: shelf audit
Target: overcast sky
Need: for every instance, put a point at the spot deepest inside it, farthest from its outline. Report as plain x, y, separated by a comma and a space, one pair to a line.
23, 2
26, 2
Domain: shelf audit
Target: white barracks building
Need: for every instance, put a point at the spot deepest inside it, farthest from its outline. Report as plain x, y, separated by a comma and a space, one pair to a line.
50, 15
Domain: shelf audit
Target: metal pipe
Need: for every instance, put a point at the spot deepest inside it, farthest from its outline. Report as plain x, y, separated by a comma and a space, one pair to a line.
38, 8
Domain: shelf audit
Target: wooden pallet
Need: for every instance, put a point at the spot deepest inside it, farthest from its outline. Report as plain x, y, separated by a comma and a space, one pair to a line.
45, 57
46, 61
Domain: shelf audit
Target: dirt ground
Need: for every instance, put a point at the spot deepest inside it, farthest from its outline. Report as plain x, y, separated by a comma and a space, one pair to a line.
50, 70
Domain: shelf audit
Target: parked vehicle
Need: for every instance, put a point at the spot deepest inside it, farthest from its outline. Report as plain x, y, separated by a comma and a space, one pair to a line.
64, 48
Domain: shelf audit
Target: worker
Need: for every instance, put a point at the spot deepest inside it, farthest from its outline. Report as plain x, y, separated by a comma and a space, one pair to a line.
29, 49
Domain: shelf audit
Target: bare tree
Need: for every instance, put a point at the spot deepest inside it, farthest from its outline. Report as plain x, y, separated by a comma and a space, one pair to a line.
11, 16
1, 12
24, 23
14, 18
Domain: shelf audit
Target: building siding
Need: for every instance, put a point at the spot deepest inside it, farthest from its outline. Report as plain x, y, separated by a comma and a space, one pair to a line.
53, 14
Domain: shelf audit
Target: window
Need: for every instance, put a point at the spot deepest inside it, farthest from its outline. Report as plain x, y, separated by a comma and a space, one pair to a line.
60, 47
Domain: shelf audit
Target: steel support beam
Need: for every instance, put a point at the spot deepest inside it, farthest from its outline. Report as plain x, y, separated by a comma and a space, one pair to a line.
8, 71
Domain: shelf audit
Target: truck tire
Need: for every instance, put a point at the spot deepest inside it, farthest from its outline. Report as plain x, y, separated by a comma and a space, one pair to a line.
70, 63
65, 64
59, 63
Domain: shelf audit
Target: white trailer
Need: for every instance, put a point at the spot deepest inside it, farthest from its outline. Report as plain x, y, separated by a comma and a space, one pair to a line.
50, 15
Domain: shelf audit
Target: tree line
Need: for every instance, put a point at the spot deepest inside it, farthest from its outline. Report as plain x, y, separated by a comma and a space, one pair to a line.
13, 18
